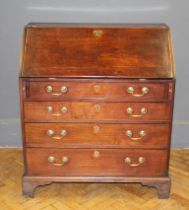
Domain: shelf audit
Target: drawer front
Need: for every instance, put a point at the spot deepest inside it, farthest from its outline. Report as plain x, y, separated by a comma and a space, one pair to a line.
85, 111
74, 134
101, 162
76, 90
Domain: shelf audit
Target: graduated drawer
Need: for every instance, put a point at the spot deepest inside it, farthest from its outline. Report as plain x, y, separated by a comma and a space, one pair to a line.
108, 135
88, 111
96, 162
105, 90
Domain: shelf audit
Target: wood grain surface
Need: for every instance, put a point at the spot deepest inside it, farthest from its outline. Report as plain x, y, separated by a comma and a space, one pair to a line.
130, 52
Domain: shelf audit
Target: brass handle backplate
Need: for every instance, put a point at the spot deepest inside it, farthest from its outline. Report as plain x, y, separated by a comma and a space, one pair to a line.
63, 110
52, 160
144, 91
63, 133
128, 160
63, 89
143, 111
129, 133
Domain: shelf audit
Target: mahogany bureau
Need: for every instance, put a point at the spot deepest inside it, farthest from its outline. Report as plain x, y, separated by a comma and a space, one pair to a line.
97, 104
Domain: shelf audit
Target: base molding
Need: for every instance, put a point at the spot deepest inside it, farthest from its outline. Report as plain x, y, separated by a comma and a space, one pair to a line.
162, 184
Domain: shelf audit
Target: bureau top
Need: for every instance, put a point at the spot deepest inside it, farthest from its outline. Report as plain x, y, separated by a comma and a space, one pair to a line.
97, 51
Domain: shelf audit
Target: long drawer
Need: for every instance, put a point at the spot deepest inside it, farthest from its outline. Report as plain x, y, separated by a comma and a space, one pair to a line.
90, 134
88, 111
100, 162
106, 90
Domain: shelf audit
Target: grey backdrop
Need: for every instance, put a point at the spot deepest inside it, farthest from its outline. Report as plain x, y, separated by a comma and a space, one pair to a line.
15, 14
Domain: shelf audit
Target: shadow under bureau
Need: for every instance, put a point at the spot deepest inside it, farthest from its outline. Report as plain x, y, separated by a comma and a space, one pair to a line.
97, 104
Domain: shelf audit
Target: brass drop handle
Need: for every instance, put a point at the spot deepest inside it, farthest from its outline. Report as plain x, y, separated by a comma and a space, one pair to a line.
52, 159
129, 133
144, 91
128, 160
63, 110
63, 133
143, 111
63, 89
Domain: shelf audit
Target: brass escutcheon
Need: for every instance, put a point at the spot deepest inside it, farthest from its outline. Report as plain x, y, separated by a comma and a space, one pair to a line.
97, 107
97, 88
96, 154
96, 129
98, 32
